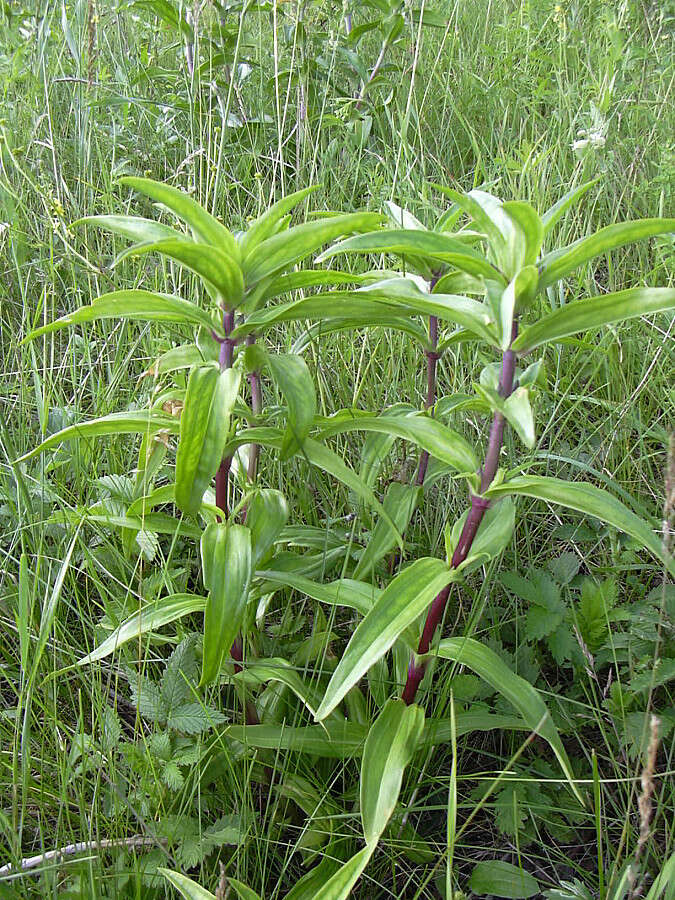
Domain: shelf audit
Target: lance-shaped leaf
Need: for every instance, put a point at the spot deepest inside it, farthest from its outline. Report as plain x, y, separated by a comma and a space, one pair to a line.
279, 669
141, 422
203, 432
404, 599
586, 498
317, 455
185, 886
133, 227
266, 224
463, 311
429, 245
516, 410
493, 536
524, 242
283, 250
519, 692
141, 305
594, 312
485, 210
431, 435
226, 562
291, 374
205, 260
204, 226
377, 319
400, 501
150, 617
559, 263
346, 592
266, 514
553, 215
339, 886
390, 746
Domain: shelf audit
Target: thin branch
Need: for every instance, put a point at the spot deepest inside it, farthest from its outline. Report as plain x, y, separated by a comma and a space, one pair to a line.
32, 862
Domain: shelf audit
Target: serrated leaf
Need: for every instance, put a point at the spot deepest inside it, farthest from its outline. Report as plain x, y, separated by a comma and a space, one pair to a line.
397, 607
204, 426
180, 673
172, 776
193, 718
564, 567
147, 698
390, 746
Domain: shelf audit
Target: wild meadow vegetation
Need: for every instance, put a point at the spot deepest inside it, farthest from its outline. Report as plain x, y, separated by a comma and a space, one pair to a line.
337, 484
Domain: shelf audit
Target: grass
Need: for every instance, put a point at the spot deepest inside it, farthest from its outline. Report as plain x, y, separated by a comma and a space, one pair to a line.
497, 98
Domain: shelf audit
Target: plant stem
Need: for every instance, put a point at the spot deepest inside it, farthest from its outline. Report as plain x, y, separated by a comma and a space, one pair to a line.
222, 478
256, 406
479, 505
226, 355
432, 362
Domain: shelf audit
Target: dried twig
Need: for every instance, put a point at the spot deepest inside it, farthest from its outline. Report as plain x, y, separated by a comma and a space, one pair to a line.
32, 862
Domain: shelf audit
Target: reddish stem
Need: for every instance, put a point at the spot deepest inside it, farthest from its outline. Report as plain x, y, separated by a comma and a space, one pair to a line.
478, 507
256, 406
432, 362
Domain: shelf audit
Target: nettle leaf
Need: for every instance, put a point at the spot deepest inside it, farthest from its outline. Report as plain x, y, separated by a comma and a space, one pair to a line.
226, 561
204, 426
597, 599
390, 746
398, 606
594, 312
180, 673
146, 696
588, 499
193, 718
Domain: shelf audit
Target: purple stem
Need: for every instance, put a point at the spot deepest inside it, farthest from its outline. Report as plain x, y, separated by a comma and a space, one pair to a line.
432, 362
478, 507
256, 406
222, 478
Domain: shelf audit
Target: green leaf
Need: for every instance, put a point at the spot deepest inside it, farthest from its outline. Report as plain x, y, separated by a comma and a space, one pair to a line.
559, 263
150, 617
430, 245
516, 297
142, 305
400, 502
431, 435
594, 312
206, 261
520, 693
553, 215
501, 879
265, 225
484, 210
529, 232
185, 886
376, 319
133, 227
226, 560
243, 891
306, 888
279, 669
493, 536
207, 228
204, 426
586, 498
398, 606
389, 748
516, 410
333, 739
266, 514
143, 421
339, 886
283, 250
463, 311
294, 379
664, 879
